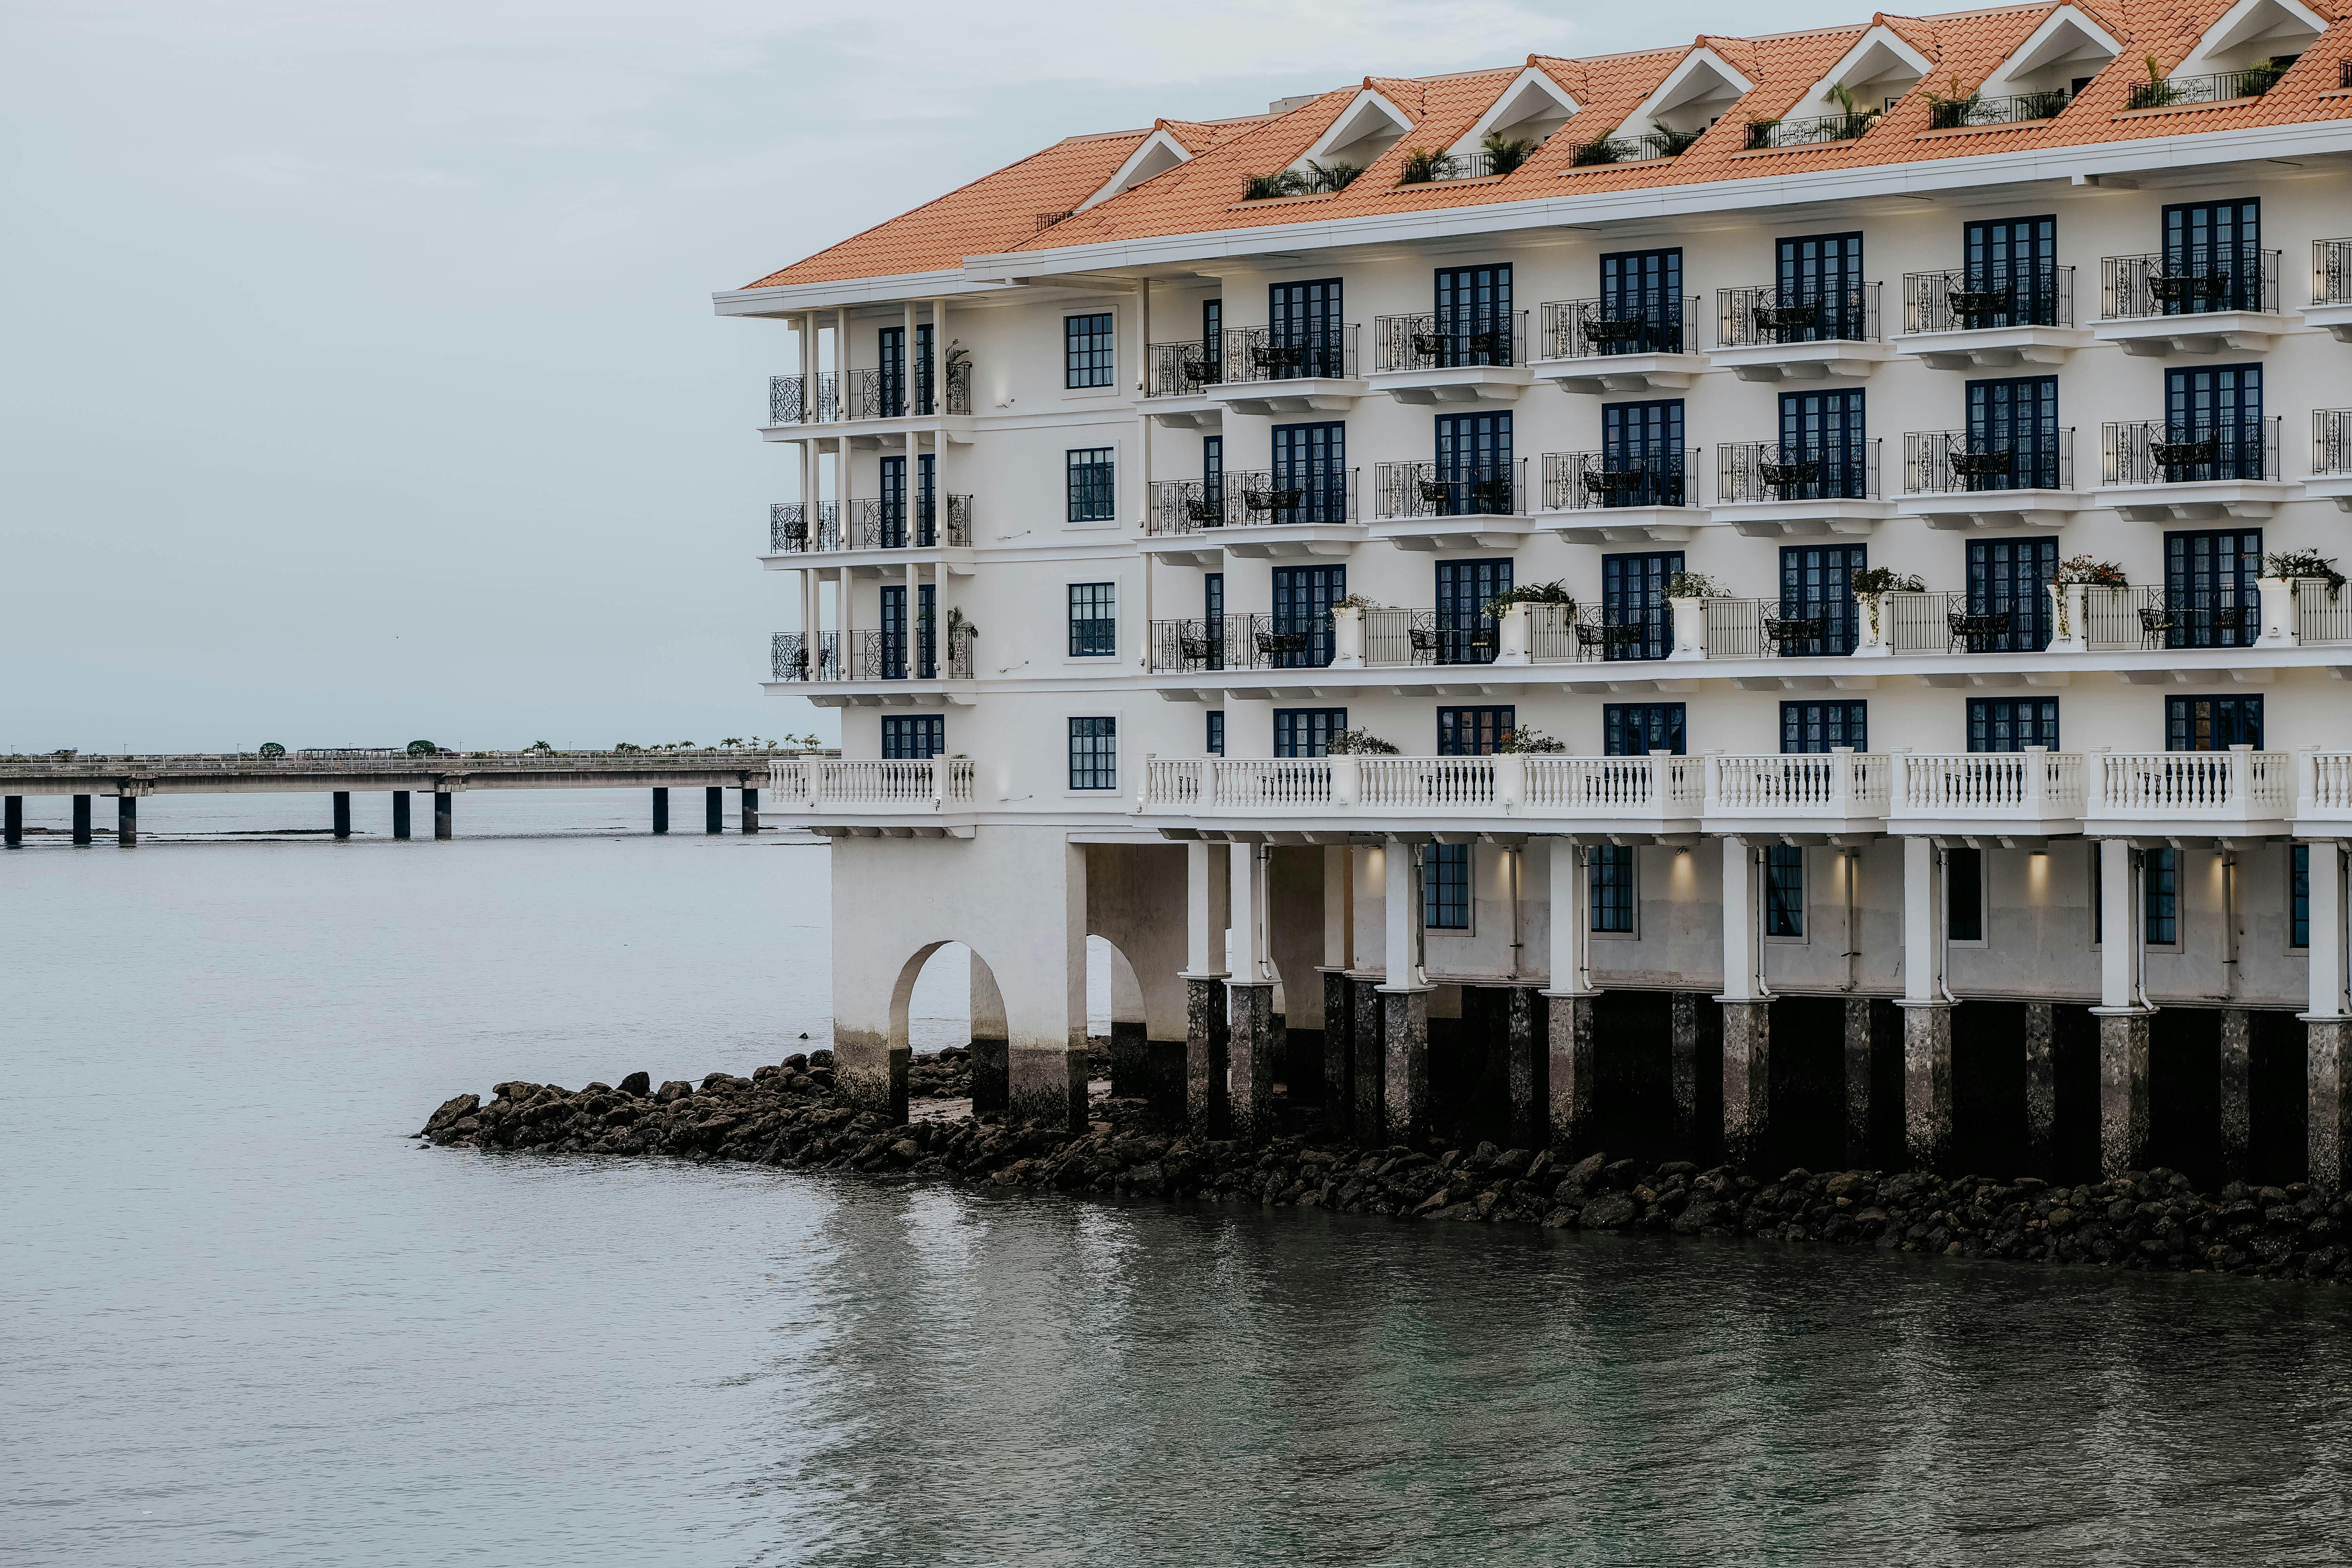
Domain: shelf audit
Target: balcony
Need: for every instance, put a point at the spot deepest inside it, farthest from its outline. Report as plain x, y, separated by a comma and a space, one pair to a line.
1651, 796
2224, 87
2199, 300
1290, 371
888, 666
1241, 642
1437, 506
1962, 480
875, 524
1253, 515
1176, 382
1769, 333
868, 397
1448, 357
2331, 456
1646, 149
1807, 132
2024, 107
1838, 793
1765, 489
1639, 341
898, 795
1616, 498
2160, 472
2236, 793
2331, 284
2028, 796
2323, 793
1988, 320
2096, 618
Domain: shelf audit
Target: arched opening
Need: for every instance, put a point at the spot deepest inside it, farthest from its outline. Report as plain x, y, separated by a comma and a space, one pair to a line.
950, 1013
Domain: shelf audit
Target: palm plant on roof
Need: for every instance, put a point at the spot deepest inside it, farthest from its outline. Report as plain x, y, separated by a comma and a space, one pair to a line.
1282, 183
1336, 175
1505, 153
1422, 165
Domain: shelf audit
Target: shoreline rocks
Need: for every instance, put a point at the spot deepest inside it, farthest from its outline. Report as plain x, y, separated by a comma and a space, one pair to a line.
789, 1114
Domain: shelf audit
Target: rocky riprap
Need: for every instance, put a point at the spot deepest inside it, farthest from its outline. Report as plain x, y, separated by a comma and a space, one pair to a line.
789, 1115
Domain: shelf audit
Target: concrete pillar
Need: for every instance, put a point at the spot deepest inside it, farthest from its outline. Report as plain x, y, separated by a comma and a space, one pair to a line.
126, 820
991, 1043
2327, 1031
871, 1075
1747, 1082
444, 827
14, 829
751, 811
661, 809
1860, 1038
1367, 1064
1250, 1046
342, 813
1927, 1010
1045, 1069
82, 819
1208, 896
1696, 1070
2237, 1105
1569, 1070
1339, 1050
400, 814
2122, 1011
2041, 1086
1527, 1042
1405, 999
714, 799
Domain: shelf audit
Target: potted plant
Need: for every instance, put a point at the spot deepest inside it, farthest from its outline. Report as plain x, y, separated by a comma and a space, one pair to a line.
2296, 565
1358, 744
1875, 583
1693, 585
1672, 144
1503, 153
1422, 165
1336, 175
1265, 187
1530, 740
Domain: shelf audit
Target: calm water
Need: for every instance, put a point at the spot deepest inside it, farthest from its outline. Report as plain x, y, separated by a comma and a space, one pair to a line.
243, 1321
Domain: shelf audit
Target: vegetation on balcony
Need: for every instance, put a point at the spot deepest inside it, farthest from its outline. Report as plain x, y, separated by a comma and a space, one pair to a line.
1504, 153
1552, 593
1695, 586
1423, 165
2292, 563
1358, 744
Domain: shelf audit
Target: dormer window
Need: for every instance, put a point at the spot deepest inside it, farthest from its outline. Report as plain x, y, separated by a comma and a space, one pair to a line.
1696, 93
1873, 76
2037, 81
1160, 153
2242, 55
1523, 119
1366, 129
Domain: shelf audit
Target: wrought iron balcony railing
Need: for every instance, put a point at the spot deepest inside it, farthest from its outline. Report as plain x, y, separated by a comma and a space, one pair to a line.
1633, 149
2156, 452
881, 394
2331, 441
794, 656
1302, 495
1951, 114
1187, 506
1956, 462
1262, 353
789, 533
2177, 618
1645, 322
2331, 265
2189, 282
1767, 313
1447, 339
875, 654
880, 522
803, 400
1395, 636
1969, 299
1183, 369
1985, 619
1574, 481
1437, 490
1241, 642
1764, 133
1769, 471
2221, 88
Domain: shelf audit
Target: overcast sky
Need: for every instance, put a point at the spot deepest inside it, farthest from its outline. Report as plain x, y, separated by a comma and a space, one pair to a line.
360, 371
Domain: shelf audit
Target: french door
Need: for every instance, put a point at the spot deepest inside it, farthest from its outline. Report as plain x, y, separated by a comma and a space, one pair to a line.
1465, 633
1303, 597
1634, 594
1645, 438
2015, 260
1647, 286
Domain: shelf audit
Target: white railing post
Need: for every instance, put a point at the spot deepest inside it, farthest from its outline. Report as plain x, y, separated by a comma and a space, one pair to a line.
1713, 797
1347, 638
1842, 781
1346, 781
1204, 788
2307, 781
1511, 636
1690, 629
1898, 780
2241, 781
1510, 780
2037, 783
1872, 640
2073, 633
2279, 627
2095, 787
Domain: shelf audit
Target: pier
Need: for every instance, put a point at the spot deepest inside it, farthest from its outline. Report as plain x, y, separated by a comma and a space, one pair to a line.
343, 773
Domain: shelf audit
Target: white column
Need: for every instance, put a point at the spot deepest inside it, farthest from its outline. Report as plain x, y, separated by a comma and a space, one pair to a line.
2123, 928
1338, 907
1402, 897
906, 378
2328, 933
841, 356
1572, 927
1743, 921
2278, 622
1253, 960
1207, 891
1362, 881
844, 614
1923, 921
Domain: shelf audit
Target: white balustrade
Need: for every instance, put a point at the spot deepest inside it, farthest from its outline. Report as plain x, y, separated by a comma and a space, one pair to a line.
2321, 616
2031, 785
1417, 784
1269, 783
927, 784
1735, 627
1655, 785
2240, 784
2323, 786
1828, 785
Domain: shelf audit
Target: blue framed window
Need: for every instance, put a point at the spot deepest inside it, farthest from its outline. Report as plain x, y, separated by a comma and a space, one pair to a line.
1784, 890
1473, 732
1637, 728
2298, 895
1646, 285
1094, 494
1093, 620
2216, 239
1307, 731
2162, 871
1215, 742
1303, 597
1310, 473
1817, 583
1825, 435
1087, 349
1825, 726
1445, 886
1964, 894
2011, 577
1613, 888
915, 739
1645, 438
2211, 596
2016, 260
1823, 270
1465, 633
2221, 404
1634, 594
1304, 331
2012, 723
2016, 416
1473, 314
1094, 754
1213, 616
2213, 723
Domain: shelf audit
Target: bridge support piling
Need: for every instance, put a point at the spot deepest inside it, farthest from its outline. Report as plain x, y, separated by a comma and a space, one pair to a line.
82, 819
342, 813
400, 814
126, 820
661, 809
751, 811
442, 828
714, 811
16, 821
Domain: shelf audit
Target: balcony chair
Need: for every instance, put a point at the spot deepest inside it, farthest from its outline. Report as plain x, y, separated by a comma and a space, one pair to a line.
1973, 629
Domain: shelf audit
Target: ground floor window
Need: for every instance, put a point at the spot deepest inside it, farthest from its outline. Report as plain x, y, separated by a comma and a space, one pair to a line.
1307, 731
1964, 917
1784, 890
1216, 741
2298, 896
1612, 889
914, 739
2162, 871
1445, 886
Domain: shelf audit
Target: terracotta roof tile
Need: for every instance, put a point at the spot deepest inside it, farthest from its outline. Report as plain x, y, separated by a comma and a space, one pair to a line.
998, 213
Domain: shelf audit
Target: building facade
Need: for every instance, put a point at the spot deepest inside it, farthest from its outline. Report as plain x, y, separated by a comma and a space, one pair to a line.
1773, 598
